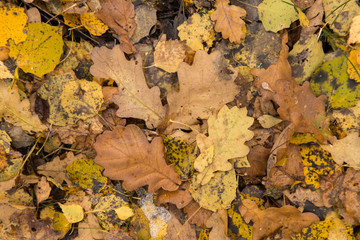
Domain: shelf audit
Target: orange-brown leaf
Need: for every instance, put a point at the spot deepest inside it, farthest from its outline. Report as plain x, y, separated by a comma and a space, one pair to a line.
119, 15
126, 154
297, 103
228, 20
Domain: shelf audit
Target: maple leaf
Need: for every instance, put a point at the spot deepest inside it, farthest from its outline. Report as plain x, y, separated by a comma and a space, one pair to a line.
135, 99
228, 20
227, 135
119, 15
297, 104
205, 87
126, 154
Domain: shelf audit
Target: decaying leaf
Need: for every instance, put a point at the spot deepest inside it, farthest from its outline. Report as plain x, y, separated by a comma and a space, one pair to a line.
41, 51
198, 29
145, 19
287, 218
71, 100
228, 20
218, 193
332, 80
317, 162
126, 154
213, 86
297, 104
17, 112
227, 135
42, 190
169, 54
135, 99
119, 15
13, 20
276, 15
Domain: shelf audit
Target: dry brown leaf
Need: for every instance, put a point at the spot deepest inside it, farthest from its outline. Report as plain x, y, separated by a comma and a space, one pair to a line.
126, 154
228, 20
119, 15
180, 197
219, 224
169, 54
287, 218
177, 231
297, 104
135, 99
42, 190
196, 214
315, 15
205, 87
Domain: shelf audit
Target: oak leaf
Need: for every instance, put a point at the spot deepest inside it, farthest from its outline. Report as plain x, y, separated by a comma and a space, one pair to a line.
288, 218
228, 20
119, 15
297, 104
135, 99
205, 87
126, 154
227, 135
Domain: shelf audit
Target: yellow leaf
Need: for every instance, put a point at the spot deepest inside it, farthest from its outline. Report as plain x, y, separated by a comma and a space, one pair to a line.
73, 213
60, 223
196, 30
93, 24
353, 66
304, 21
124, 212
12, 21
18, 112
41, 51
227, 133
71, 100
218, 193
268, 121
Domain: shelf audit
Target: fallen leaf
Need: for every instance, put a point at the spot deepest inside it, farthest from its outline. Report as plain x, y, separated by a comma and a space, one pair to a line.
71, 100
315, 15
42, 190
305, 57
93, 24
227, 135
276, 15
218, 193
213, 85
55, 171
126, 154
317, 162
332, 80
181, 197
124, 212
287, 218
181, 155
353, 65
260, 49
17, 112
41, 51
354, 32
89, 228
13, 24
25, 225
145, 19
228, 21
297, 104
158, 216
340, 14
4, 71
198, 29
331, 228
73, 213
169, 54
219, 224
119, 15
105, 211
135, 99
268, 121
177, 231
86, 174
303, 195
196, 214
